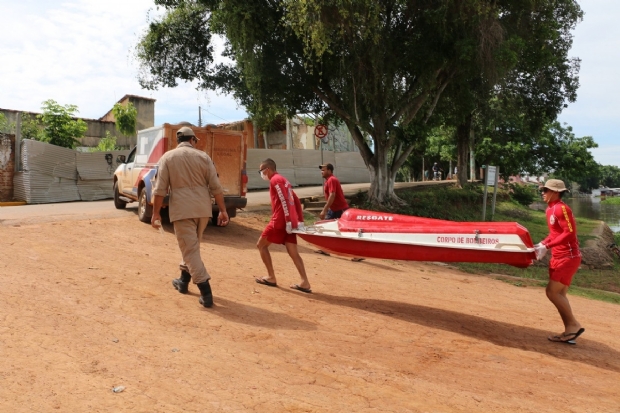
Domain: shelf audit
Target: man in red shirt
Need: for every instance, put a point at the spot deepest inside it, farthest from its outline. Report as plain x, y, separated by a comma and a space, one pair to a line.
286, 215
565, 259
335, 203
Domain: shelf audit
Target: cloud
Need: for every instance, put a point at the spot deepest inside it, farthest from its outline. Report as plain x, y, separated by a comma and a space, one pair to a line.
81, 52
595, 113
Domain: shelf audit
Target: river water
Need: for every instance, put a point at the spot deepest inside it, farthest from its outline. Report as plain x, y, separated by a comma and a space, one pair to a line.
592, 208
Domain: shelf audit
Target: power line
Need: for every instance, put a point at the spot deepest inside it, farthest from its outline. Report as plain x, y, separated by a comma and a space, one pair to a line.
212, 113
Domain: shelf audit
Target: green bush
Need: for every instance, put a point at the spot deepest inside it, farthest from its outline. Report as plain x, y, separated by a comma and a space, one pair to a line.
106, 144
31, 129
5, 125
523, 194
611, 201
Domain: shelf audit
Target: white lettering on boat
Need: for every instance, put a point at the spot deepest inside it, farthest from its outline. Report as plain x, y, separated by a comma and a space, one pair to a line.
466, 240
374, 218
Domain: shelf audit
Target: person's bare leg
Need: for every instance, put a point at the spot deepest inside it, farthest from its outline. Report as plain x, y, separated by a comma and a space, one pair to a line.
299, 263
556, 292
263, 248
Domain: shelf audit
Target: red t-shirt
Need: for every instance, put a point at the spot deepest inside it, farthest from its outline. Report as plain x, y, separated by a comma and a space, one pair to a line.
332, 185
562, 237
285, 206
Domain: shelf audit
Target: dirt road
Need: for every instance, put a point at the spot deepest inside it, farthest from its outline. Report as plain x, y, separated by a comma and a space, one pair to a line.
86, 305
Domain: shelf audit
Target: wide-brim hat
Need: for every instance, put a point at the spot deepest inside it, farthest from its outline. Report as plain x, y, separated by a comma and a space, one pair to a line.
556, 185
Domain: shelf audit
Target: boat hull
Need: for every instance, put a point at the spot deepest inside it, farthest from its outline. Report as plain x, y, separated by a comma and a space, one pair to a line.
370, 234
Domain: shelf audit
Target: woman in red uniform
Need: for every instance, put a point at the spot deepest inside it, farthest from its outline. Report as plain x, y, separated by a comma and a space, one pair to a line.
565, 259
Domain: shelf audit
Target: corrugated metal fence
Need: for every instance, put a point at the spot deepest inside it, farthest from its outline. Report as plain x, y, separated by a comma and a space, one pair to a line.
300, 166
54, 174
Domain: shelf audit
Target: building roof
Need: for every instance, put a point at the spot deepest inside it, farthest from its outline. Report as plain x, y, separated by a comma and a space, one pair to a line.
127, 97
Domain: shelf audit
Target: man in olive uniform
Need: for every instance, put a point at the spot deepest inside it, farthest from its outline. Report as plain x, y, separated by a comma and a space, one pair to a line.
192, 179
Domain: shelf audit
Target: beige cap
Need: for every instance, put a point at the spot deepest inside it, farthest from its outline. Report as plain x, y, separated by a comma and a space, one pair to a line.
556, 185
185, 131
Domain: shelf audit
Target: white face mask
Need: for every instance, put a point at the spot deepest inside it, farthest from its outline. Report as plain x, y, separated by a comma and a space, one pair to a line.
264, 176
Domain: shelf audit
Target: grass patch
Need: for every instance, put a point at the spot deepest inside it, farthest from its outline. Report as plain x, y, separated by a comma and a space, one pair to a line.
599, 295
611, 200
309, 218
590, 293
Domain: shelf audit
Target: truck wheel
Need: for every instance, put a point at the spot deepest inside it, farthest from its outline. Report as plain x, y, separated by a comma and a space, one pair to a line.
117, 202
145, 211
232, 212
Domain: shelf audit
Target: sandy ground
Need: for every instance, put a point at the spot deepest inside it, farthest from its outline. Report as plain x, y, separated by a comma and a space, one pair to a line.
87, 305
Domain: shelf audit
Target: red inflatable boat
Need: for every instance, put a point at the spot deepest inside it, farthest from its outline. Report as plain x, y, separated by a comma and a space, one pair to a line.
370, 234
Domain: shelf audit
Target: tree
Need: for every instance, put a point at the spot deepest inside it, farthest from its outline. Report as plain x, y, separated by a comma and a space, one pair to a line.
377, 65
106, 144
591, 180
125, 117
535, 79
556, 149
5, 125
609, 176
61, 128
31, 129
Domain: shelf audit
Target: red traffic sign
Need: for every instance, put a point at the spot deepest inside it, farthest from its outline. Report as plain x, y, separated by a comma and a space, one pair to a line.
320, 131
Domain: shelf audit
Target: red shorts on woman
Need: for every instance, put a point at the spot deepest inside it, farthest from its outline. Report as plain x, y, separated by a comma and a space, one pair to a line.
562, 270
278, 235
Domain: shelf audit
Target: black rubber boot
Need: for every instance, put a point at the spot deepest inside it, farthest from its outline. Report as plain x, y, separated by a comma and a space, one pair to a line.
206, 296
182, 283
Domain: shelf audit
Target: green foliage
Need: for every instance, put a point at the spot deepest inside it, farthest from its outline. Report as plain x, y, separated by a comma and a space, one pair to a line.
441, 202
378, 66
125, 118
106, 144
609, 176
176, 46
441, 144
308, 121
524, 194
599, 175
555, 149
5, 125
31, 129
60, 126
611, 200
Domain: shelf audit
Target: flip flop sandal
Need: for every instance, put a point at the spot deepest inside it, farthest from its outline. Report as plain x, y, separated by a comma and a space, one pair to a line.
568, 338
265, 282
302, 289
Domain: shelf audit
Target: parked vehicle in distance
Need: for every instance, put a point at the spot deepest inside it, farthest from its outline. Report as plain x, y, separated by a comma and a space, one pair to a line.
135, 175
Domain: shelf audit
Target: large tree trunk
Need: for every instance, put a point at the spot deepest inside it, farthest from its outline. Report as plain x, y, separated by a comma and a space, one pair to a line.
381, 190
382, 173
462, 148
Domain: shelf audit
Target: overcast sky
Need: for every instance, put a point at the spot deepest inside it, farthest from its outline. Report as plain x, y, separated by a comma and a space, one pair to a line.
80, 52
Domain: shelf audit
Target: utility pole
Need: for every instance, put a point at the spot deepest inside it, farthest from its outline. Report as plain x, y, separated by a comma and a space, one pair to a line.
199, 116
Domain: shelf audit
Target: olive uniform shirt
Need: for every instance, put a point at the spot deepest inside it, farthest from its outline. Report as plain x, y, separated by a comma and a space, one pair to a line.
192, 178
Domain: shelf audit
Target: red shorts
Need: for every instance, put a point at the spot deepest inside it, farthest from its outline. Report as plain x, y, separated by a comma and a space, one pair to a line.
278, 235
563, 269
